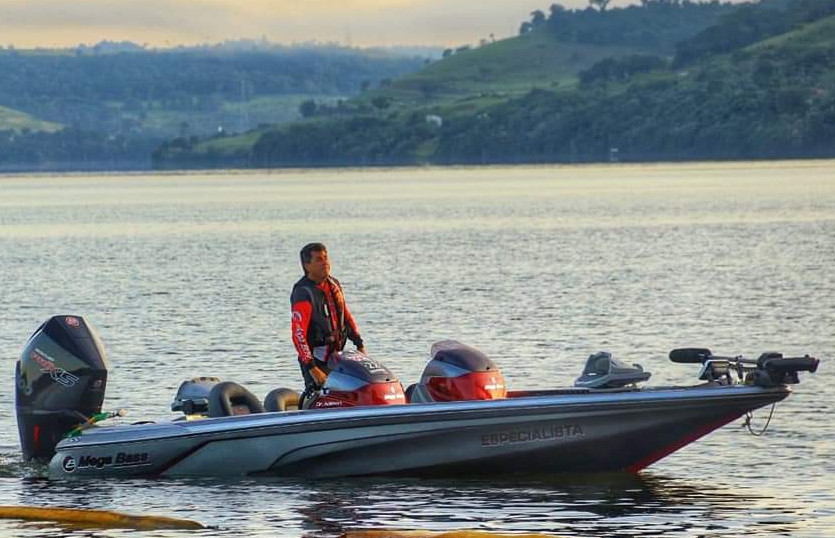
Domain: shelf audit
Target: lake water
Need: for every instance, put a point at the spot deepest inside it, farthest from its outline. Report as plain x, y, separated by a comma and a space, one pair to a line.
187, 275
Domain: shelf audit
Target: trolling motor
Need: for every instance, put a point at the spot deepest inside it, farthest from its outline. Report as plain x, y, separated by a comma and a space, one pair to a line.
59, 383
769, 370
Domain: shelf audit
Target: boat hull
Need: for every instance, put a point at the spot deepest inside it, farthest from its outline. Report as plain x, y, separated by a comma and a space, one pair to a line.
545, 432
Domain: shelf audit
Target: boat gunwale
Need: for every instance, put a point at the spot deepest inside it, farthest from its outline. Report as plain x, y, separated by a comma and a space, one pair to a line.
289, 422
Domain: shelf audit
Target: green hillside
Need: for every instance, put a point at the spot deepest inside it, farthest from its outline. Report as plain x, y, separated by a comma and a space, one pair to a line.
508, 67
771, 99
813, 35
14, 120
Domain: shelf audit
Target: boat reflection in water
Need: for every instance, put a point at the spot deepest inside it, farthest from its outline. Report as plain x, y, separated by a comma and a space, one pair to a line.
616, 504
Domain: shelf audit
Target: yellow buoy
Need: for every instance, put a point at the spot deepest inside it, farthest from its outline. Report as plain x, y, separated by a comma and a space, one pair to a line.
95, 518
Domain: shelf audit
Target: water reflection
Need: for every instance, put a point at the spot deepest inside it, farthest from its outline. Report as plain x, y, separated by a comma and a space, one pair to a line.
538, 267
585, 505
605, 505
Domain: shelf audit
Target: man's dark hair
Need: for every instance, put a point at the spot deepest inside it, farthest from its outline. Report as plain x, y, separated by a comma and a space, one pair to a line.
306, 253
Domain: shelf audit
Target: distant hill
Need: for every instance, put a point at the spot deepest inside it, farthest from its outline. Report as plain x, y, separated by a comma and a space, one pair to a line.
772, 99
551, 50
124, 94
118, 88
548, 55
761, 90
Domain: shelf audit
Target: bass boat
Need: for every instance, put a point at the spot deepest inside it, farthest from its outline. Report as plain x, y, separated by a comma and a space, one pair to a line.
458, 419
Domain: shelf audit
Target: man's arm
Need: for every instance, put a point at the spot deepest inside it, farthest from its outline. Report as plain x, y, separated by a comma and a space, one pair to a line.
353, 330
300, 321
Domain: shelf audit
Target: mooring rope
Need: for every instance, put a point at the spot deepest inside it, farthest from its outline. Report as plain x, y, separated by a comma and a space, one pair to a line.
749, 415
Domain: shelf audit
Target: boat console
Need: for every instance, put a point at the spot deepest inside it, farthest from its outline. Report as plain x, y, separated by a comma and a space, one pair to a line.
603, 371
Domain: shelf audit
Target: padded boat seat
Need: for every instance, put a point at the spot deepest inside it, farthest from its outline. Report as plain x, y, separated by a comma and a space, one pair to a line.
281, 400
229, 399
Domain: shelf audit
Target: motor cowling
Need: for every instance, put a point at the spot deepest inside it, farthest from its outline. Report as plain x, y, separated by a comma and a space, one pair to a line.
456, 372
356, 379
60, 381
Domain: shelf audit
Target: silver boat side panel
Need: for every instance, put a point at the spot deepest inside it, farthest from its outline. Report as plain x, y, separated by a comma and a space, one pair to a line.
548, 433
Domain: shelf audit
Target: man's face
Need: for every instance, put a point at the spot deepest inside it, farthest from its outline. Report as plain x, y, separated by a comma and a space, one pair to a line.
319, 267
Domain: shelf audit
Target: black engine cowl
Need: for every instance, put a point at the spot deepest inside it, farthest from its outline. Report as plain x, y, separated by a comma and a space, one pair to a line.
60, 380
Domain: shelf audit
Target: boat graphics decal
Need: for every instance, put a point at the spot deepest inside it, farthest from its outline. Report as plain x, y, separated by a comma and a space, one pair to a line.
47, 366
120, 460
532, 435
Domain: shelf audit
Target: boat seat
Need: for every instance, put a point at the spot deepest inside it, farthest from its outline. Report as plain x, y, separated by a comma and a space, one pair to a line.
281, 400
228, 399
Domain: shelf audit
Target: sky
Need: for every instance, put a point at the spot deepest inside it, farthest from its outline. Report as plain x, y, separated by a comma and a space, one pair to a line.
163, 23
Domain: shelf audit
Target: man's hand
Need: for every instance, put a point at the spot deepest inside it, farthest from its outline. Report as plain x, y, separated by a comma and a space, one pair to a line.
361, 349
318, 375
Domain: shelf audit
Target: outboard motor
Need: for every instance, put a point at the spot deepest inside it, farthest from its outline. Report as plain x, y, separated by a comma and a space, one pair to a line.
60, 381
356, 379
458, 372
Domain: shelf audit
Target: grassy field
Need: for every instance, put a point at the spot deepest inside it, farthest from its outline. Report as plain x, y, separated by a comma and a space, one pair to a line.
13, 120
233, 117
819, 33
502, 69
230, 145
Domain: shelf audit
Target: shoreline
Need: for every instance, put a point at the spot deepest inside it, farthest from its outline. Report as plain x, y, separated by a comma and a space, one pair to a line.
133, 171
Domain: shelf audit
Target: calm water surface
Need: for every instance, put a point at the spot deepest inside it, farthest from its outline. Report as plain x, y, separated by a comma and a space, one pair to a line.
187, 275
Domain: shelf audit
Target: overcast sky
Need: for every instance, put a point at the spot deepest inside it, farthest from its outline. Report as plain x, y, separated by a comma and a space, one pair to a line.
48, 23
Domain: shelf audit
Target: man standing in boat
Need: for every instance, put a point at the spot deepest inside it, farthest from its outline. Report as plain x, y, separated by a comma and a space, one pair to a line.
321, 321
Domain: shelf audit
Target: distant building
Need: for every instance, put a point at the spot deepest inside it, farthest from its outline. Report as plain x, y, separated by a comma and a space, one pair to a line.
435, 120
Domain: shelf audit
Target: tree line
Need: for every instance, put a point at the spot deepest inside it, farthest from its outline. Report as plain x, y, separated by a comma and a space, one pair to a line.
654, 24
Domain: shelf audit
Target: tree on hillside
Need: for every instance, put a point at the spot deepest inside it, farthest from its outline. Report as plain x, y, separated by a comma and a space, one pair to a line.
538, 18
654, 24
381, 102
307, 108
599, 4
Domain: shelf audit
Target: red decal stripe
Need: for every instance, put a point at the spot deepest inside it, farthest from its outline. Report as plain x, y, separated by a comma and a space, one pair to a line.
683, 441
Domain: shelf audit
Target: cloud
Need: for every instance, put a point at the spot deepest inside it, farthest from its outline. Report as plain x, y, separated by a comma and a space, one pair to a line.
168, 22
80, 16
